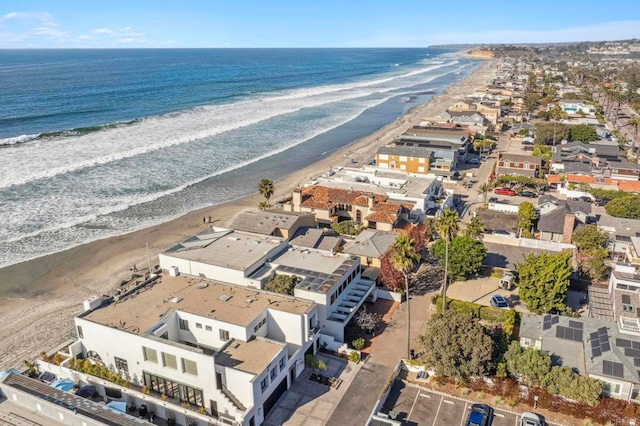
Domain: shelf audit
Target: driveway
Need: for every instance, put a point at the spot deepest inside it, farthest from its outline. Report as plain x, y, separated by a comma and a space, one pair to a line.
480, 290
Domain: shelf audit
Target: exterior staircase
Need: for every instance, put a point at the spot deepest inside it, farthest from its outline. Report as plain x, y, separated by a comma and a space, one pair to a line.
232, 398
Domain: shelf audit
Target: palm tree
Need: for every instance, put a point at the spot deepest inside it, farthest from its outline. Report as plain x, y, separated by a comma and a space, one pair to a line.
556, 112
635, 125
265, 187
447, 226
263, 205
403, 258
484, 190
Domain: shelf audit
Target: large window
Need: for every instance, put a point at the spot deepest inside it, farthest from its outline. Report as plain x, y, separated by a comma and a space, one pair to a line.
121, 364
264, 383
184, 324
189, 366
283, 363
611, 388
173, 389
150, 354
274, 373
224, 335
80, 335
169, 361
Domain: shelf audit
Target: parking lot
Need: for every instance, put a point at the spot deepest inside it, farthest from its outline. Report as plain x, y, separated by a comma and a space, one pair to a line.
415, 406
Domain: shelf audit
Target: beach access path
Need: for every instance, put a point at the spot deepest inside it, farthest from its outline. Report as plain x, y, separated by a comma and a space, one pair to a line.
39, 298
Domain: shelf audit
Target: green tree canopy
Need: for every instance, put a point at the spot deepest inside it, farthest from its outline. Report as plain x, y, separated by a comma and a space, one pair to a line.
544, 133
456, 345
528, 365
474, 228
542, 151
626, 207
583, 133
465, 255
526, 218
566, 382
608, 194
284, 284
543, 280
592, 245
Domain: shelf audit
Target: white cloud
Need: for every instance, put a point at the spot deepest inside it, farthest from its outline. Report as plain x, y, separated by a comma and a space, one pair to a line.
601, 31
40, 29
19, 29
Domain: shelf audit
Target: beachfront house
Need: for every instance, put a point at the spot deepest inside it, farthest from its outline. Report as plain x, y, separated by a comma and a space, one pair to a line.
203, 342
411, 159
224, 352
333, 205
331, 280
419, 191
277, 223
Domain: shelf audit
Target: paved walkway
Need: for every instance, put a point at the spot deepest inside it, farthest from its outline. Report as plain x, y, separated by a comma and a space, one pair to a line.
387, 350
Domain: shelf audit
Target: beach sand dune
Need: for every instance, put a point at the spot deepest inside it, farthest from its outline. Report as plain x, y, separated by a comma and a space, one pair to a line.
40, 297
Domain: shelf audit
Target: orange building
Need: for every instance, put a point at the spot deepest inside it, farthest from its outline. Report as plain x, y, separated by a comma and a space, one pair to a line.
411, 159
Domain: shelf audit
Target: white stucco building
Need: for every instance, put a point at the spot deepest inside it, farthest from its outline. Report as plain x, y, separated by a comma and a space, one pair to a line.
228, 349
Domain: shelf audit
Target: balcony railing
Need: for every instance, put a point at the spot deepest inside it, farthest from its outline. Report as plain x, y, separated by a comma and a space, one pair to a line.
314, 330
629, 324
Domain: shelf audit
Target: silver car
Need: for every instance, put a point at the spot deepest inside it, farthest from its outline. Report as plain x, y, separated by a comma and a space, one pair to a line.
530, 419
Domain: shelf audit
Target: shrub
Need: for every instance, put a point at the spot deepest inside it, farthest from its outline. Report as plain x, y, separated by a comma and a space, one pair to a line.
348, 227
354, 356
358, 344
283, 284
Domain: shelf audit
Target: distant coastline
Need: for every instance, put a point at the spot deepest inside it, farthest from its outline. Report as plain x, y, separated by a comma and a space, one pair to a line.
479, 54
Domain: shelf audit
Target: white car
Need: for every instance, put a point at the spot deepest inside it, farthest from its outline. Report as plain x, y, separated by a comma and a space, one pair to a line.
530, 419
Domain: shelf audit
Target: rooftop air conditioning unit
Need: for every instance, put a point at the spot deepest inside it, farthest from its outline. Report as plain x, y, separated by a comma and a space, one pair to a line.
173, 271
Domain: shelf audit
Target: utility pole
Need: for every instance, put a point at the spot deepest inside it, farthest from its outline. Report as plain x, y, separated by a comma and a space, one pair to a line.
446, 269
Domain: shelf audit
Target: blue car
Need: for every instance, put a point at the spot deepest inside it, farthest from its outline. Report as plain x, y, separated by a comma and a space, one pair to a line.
480, 415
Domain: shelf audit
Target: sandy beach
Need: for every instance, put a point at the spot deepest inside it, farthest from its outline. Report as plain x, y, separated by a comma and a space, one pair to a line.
39, 298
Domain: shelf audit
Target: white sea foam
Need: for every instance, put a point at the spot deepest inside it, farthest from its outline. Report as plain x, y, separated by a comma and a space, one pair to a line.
151, 161
40, 159
18, 139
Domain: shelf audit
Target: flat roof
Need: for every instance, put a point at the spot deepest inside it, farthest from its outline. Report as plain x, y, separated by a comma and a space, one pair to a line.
397, 185
224, 302
266, 222
226, 248
319, 269
83, 406
252, 356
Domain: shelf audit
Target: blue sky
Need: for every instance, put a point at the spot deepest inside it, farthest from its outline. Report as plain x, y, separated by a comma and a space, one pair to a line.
300, 23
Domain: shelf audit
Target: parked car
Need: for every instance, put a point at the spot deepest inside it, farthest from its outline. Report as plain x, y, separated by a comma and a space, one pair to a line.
473, 160
505, 191
506, 282
504, 233
530, 419
600, 202
497, 301
480, 415
583, 198
529, 194
493, 199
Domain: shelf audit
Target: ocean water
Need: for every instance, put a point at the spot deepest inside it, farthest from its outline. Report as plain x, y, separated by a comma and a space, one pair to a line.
97, 143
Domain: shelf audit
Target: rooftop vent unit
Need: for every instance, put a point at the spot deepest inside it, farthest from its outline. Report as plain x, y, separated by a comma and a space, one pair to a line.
224, 297
201, 286
176, 299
